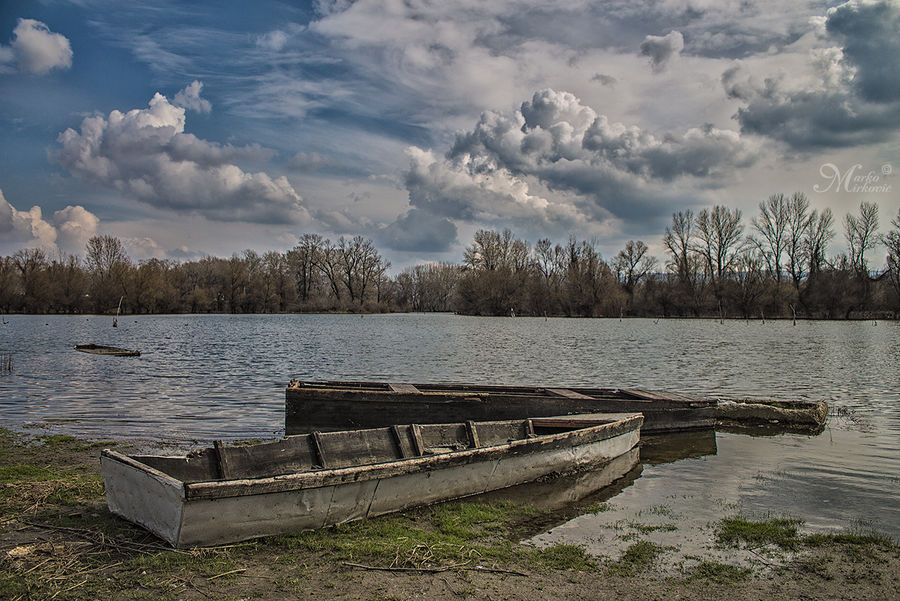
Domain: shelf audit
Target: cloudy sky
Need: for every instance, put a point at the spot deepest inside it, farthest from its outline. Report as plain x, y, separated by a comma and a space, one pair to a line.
201, 128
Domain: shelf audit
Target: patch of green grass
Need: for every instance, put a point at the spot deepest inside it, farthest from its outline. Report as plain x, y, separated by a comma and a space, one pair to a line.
662, 510
205, 562
452, 533
12, 585
721, 573
468, 521
568, 557
648, 528
597, 508
782, 532
11, 474
637, 558
850, 538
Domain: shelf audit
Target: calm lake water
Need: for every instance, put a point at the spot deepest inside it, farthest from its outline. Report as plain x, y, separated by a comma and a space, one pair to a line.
203, 377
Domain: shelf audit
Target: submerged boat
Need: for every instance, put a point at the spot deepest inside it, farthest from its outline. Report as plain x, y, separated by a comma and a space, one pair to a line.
113, 351
229, 493
340, 405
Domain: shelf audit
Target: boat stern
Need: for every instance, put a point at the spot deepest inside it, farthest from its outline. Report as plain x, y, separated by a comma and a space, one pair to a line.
143, 495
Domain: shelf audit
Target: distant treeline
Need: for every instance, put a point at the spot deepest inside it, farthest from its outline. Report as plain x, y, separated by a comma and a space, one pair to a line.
715, 265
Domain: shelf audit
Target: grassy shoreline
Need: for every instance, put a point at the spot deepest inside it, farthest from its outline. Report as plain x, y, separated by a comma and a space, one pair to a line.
58, 540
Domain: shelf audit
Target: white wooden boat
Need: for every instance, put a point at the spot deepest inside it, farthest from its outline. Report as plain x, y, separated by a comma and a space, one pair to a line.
226, 493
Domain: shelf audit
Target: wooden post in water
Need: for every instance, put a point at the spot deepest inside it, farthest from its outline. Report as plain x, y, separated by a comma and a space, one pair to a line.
118, 309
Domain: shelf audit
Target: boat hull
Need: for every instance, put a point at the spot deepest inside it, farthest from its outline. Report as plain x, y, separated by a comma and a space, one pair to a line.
313, 406
218, 512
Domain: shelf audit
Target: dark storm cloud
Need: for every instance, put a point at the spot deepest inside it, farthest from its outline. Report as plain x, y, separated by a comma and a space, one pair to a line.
606, 80
419, 231
871, 36
862, 106
661, 50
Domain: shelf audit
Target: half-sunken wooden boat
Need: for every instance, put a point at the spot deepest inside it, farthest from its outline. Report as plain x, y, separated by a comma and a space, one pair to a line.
226, 494
335, 405
113, 351
341, 405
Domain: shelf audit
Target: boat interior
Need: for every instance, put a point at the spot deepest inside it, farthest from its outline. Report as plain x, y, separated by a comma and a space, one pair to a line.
576, 393
331, 450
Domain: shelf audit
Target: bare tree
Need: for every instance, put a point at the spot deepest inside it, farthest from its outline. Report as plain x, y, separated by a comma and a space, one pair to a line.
771, 225
305, 260
109, 264
750, 280
861, 234
798, 224
678, 241
719, 242
32, 264
360, 266
275, 268
330, 265
489, 251
892, 241
816, 240
632, 264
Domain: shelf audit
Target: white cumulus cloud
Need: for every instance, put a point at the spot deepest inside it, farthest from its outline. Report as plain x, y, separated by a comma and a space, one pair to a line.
68, 230
145, 154
189, 98
560, 164
35, 49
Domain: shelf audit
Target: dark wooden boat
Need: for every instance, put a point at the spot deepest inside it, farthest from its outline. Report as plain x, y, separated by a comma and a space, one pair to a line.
341, 405
335, 405
226, 493
113, 351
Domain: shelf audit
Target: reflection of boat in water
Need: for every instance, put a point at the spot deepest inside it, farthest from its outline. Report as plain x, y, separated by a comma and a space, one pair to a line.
231, 493
562, 499
668, 448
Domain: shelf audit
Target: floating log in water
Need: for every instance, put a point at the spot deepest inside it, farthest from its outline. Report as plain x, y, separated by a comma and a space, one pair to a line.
113, 351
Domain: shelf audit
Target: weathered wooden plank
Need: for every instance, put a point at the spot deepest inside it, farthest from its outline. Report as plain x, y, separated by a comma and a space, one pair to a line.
359, 447
418, 446
225, 472
408, 388
292, 454
584, 420
473, 434
398, 440
196, 467
569, 394
437, 437
319, 452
